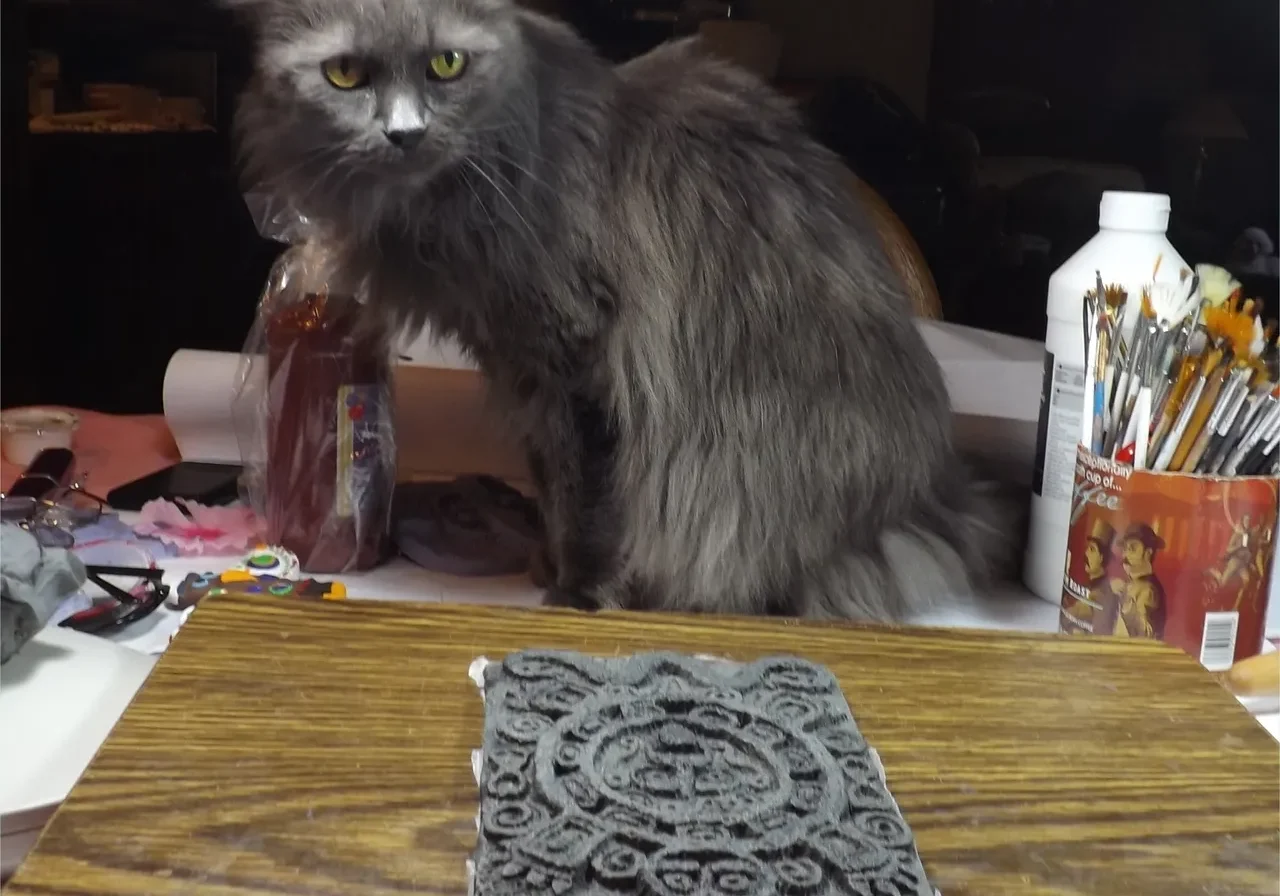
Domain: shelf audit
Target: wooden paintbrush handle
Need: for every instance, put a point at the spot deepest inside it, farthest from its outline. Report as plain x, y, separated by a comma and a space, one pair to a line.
1173, 404
1204, 407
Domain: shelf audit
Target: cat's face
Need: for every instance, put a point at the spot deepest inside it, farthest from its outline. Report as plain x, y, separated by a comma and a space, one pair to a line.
400, 86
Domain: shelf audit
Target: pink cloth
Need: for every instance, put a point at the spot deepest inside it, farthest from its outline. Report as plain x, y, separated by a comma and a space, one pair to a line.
112, 450
195, 529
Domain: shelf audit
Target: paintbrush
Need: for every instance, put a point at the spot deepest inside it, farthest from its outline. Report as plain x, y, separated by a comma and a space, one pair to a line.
1146, 345
1114, 309
1100, 316
1263, 459
1200, 414
1260, 425
1132, 310
1142, 438
1269, 357
1236, 406
1136, 438
1184, 374
1235, 381
1177, 310
1254, 406
1131, 379
1172, 307
1172, 442
1260, 457
1092, 311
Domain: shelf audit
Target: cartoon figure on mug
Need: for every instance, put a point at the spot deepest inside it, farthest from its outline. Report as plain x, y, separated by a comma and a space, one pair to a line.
1244, 562
1141, 597
1101, 601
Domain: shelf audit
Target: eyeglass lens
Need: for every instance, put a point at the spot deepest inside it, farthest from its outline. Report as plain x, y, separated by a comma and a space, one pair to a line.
17, 510
51, 519
71, 507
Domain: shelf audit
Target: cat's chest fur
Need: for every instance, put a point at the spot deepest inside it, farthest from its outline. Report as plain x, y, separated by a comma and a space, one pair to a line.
533, 303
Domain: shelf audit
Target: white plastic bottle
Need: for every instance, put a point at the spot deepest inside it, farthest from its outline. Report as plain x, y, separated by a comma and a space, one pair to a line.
1130, 239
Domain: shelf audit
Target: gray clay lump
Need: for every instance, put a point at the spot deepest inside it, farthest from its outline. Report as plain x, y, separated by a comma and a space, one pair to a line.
665, 775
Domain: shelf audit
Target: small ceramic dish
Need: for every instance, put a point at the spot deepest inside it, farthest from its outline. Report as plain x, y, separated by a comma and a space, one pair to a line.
28, 431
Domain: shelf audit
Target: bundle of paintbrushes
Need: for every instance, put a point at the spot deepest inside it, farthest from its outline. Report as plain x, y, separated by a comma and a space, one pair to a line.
1182, 378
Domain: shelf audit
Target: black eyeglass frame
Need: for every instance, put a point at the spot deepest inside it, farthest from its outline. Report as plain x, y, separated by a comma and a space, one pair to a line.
124, 609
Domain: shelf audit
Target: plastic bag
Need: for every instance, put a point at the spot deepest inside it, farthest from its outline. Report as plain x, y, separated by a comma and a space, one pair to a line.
314, 408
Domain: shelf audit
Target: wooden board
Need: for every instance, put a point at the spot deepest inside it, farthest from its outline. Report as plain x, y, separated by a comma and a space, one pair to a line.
324, 749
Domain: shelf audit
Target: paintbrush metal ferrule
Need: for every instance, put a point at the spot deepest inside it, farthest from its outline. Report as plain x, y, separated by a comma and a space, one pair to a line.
1181, 374
1233, 397
1142, 429
1171, 440
1128, 395
1166, 418
1256, 460
1195, 426
1269, 461
1274, 442
1129, 339
1088, 319
1160, 399
1232, 408
1115, 367
1254, 433
1253, 406
1136, 360
1274, 428
1191, 374
1216, 406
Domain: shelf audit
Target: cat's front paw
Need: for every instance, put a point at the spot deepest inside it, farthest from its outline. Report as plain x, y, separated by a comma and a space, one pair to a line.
542, 570
569, 599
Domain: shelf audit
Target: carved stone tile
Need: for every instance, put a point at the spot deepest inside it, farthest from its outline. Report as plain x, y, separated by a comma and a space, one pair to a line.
665, 775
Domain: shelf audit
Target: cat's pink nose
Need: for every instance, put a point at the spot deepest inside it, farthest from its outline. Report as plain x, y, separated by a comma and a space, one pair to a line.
405, 139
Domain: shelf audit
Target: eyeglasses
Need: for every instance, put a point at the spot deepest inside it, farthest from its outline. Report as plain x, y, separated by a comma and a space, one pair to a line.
121, 607
51, 518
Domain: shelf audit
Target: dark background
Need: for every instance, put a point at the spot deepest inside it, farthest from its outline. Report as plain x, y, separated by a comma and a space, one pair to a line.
990, 126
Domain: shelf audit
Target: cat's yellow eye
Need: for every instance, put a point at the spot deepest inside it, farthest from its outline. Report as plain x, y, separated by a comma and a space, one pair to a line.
345, 72
448, 65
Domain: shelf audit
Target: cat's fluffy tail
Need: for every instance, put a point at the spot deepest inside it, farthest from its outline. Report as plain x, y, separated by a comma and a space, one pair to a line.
961, 547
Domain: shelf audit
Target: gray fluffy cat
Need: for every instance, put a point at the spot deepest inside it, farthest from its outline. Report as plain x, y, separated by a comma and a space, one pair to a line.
726, 404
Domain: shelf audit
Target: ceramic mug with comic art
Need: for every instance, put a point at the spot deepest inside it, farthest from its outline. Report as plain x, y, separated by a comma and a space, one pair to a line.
1174, 557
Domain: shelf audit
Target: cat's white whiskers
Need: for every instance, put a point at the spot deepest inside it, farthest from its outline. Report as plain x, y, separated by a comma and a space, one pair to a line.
305, 160
466, 180
507, 199
500, 157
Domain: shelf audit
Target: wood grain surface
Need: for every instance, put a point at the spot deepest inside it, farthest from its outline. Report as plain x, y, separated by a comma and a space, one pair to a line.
284, 747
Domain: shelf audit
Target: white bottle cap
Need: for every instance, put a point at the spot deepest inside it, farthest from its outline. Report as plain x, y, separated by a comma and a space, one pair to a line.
1134, 211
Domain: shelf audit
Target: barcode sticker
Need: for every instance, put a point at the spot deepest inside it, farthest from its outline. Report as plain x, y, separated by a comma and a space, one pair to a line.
1218, 647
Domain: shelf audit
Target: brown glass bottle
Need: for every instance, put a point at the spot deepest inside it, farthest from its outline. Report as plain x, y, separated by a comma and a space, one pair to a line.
330, 437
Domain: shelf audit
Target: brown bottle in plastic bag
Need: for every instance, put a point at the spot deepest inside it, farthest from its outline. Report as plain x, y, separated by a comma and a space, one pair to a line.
330, 467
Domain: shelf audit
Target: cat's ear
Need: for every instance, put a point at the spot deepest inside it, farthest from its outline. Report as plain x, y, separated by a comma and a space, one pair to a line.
261, 17
269, 15
249, 10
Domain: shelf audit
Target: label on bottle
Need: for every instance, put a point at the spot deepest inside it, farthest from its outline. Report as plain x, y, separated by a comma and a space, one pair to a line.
1058, 431
359, 449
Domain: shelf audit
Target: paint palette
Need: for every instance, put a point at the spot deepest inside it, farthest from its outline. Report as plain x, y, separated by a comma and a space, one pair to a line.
197, 586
